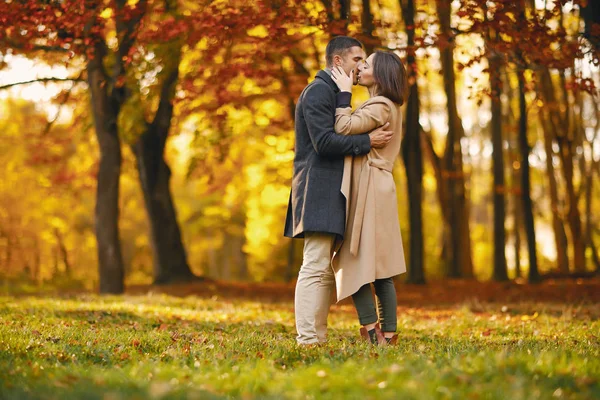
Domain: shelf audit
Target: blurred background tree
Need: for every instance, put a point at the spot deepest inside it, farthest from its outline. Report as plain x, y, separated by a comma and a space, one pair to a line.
165, 151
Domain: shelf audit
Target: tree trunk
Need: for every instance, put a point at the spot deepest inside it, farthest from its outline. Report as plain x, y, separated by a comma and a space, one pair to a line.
239, 258
3, 264
461, 261
569, 144
551, 127
232, 259
37, 261
111, 269
517, 233
527, 204
107, 96
517, 208
565, 137
588, 214
436, 163
573, 215
589, 228
560, 236
368, 27
63, 252
500, 271
495, 62
169, 256
55, 269
8, 251
212, 259
413, 159
226, 255
344, 16
235, 266
345, 13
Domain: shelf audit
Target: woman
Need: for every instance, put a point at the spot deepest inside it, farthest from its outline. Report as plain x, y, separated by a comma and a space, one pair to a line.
372, 251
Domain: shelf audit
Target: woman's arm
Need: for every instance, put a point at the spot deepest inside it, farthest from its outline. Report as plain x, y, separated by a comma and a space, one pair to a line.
363, 120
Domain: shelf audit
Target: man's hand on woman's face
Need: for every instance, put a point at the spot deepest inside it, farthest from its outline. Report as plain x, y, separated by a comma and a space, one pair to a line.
343, 81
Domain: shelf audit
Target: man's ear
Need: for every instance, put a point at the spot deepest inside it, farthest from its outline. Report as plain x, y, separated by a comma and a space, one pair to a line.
337, 61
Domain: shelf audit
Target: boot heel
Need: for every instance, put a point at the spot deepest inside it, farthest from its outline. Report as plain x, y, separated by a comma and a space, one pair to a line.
380, 338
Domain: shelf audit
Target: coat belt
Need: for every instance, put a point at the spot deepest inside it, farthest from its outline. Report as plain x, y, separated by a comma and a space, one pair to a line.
363, 187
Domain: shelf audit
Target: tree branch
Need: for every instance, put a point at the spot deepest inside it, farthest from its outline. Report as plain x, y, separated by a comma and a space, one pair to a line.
13, 44
164, 113
126, 34
61, 105
76, 79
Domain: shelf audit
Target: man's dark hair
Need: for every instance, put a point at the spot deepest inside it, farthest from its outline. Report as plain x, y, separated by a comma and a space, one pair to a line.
389, 75
338, 46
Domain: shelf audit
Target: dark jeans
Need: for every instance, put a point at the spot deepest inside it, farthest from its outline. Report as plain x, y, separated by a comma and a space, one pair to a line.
386, 303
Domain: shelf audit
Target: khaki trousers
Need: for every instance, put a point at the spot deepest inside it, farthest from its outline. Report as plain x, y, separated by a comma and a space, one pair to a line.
314, 288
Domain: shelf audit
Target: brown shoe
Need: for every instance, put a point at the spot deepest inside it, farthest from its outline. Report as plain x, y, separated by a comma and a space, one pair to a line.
375, 336
380, 338
393, 341
364, 334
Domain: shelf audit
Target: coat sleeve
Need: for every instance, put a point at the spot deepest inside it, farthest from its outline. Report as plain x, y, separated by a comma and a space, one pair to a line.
318, 107
364, 120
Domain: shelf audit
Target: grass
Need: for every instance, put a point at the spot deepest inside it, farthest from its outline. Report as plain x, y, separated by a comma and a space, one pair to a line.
160, 346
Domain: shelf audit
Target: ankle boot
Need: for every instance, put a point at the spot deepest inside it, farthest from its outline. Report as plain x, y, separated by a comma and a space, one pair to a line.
392, 341
366, 335
375, 336
379, 335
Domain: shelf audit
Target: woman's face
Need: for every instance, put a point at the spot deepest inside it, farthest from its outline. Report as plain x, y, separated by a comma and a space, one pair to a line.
365, 72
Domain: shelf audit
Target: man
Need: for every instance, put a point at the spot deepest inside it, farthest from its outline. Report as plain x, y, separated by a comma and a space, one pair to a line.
316, 211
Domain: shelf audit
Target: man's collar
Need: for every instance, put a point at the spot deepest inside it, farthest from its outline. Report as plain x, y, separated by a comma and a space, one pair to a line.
325, 74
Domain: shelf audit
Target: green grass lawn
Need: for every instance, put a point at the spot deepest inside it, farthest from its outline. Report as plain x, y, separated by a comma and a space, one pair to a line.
159, 346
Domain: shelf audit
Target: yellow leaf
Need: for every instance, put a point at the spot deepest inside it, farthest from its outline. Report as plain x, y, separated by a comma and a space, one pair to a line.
258, 31
107, 13
529, 318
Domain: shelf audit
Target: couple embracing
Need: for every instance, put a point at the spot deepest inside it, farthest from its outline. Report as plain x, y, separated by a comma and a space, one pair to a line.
343, 198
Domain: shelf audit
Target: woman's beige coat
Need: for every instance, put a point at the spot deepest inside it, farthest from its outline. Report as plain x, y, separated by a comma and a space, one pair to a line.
372, 247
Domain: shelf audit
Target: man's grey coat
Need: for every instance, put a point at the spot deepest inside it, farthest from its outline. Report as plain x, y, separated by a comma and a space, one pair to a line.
316, 201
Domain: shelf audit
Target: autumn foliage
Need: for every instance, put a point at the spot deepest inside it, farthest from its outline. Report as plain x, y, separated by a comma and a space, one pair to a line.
193, 101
